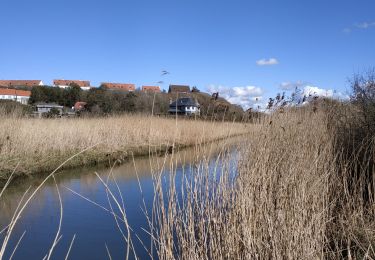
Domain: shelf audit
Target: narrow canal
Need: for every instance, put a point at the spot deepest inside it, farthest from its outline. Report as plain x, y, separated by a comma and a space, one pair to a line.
94, 229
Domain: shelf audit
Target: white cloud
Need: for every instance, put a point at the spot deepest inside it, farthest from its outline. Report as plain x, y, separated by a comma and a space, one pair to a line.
252, 96
247, 96
365, 25
267, 62
308, 90
362, 26
297, 93
315, 91
288, 85
321, 92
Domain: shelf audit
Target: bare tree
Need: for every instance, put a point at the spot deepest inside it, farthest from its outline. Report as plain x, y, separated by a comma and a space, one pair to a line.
363, 96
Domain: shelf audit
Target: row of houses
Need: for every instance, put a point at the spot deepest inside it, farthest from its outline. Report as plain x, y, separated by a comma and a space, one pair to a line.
9, 91
86, 85
21, 96
83, 84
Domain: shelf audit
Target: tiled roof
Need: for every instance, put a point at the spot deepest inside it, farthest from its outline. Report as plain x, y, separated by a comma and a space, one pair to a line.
17, 83
151, 88
79, 105
119, 86
63, 82
179, 89
15, 92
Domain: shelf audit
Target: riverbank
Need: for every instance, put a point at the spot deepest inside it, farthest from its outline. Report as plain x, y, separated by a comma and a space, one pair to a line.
31, 146
86, 220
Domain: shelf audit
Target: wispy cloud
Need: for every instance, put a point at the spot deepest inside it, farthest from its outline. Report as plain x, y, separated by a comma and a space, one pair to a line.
246, 96
288, 85
365, 25
267, 62
359, 26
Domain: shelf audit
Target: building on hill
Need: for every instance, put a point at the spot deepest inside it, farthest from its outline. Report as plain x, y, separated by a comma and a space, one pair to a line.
151, 89
21, 96
119, 86
179, 89
62, 83
185, 106
20, 83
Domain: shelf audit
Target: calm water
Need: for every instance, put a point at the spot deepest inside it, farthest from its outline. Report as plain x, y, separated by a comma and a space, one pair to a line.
94, 227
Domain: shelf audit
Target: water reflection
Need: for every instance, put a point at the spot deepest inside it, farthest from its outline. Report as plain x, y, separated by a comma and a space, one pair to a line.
93, 227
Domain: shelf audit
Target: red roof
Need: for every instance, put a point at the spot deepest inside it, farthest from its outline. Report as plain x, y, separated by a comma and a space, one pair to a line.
63, 82
15, 92
179, 89
119, 86
79, 105
23, 83
151, 89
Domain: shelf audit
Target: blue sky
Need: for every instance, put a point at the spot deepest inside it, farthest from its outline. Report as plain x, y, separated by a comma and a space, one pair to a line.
215, 45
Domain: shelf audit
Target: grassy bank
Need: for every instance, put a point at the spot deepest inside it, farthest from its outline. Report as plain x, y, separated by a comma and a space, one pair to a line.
40, 145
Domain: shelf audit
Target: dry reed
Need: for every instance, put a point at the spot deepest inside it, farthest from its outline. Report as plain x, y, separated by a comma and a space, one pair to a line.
40, 145
291, 199
294, 195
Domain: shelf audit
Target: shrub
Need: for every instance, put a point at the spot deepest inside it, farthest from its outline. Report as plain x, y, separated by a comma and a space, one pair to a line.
13, 108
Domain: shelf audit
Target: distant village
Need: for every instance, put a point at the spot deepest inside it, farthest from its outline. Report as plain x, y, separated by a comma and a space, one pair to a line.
9, 88
22, 91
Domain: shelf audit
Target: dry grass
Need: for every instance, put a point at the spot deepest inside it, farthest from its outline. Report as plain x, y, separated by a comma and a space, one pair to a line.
40, 145
294, 197
297, 194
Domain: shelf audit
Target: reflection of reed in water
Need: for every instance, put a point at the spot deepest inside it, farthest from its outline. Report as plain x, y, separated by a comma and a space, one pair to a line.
11, 199
143, 166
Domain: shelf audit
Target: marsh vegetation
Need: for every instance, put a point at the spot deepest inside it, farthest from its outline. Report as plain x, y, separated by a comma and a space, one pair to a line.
303, 186
30, 146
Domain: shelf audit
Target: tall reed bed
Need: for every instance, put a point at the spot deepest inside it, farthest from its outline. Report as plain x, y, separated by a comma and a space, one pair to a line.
295, 196
298, 192
41, 145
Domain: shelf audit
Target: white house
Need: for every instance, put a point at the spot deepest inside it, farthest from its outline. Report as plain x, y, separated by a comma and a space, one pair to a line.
62, 83
44, 108
185, 106
21, 96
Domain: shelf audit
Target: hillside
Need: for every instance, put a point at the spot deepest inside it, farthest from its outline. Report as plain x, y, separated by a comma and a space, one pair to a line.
103, 101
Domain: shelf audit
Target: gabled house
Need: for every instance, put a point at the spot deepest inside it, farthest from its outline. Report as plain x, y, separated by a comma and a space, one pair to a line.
21, 96
184, 106
62, 83
179, 89
20, 83
151, 89
119, 86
